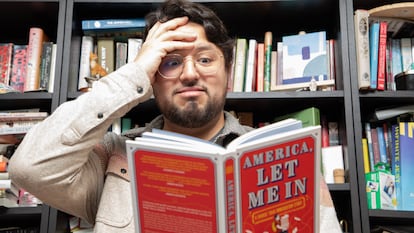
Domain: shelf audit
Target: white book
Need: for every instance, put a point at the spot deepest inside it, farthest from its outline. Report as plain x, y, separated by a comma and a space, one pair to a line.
251, 66
84, 64
406, 53
361, 20
332, 158
240, 65
52, 69
134, 45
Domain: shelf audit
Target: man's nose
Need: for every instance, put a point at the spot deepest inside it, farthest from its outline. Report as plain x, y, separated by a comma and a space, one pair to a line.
189, 69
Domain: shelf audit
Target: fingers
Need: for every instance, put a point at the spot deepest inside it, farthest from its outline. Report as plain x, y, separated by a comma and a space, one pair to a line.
160, 28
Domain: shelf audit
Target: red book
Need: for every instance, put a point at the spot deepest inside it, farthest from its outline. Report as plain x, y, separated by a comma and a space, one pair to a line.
267, 177
19, 67
34, 58
6, 53
382, 52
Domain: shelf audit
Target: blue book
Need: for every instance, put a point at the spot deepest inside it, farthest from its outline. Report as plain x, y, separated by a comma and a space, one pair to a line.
395, 162
304, 58
373, 49
397, 65
370, 146
102, 24
382, 144
406, 165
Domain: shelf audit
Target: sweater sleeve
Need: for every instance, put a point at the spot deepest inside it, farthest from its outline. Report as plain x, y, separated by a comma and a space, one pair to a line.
62, 160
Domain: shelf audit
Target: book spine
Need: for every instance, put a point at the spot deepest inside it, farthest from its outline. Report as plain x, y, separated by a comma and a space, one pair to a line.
365, 154
52, 69
84, 65
240, 65
375, 146
134, 45
121, 52
381, 145
260, 67
98, 24
18, 127
34, 56
45, 65
19, 67
373, 48
406, 161
395, 162
268, 59
251, 66
382, 48
406, 53
6, 53
273, 72
370, 146
106, 54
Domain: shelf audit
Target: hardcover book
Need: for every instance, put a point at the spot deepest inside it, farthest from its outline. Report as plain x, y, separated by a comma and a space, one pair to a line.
98, 24
406, 147
19, 67
240, 64
373, 49
6, 54
304, 58
84, 64
362, 48
34, 56
267, 178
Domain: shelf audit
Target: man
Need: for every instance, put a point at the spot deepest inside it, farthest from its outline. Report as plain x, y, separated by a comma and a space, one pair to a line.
70, 162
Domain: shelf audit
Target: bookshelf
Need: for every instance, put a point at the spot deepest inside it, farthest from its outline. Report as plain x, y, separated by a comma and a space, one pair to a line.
62, 21
364, 103
16, 17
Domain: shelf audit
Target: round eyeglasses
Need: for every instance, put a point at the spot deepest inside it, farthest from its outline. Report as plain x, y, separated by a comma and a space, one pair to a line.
205, 62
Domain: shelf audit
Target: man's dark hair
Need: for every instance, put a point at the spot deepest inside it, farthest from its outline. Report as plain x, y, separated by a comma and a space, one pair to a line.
215, 30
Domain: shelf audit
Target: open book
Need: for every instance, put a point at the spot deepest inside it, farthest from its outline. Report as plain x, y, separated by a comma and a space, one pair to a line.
264, 180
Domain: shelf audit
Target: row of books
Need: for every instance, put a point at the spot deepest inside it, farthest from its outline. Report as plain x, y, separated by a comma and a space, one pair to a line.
302, 61
28, 67
107, 44
385, 47
387, 150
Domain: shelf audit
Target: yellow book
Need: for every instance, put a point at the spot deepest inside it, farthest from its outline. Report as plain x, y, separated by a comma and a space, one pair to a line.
366, 155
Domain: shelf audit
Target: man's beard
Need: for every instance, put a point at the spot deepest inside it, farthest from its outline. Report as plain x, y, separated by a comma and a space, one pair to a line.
191, 116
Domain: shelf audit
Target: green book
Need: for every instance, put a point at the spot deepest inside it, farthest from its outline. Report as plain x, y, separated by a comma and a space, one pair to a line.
309, 116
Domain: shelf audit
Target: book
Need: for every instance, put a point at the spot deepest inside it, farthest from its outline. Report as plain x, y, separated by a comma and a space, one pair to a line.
240, 64
34, 56
308, 116
17, 127
260, 67
365, 154
87, 45
6, 54
373, 57
52, 69
382, 48
273, 71
265, 174
99, 24
332, 158
134, 45
406, 53
395, 162
10, 116
304, 58
106, 53
396, 59
268, 43
45, 65
406, 146
19, 67
121, 54
251, 65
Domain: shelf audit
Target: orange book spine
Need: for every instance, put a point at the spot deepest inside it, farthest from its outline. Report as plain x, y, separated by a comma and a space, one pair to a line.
260, 67
34, 57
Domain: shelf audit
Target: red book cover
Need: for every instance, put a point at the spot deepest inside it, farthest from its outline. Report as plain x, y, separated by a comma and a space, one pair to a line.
19, 65
382, 50
6, 53
265, 180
